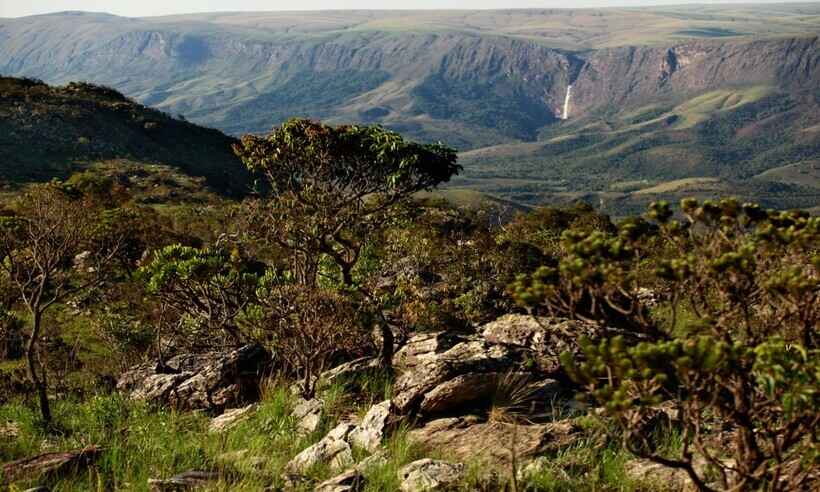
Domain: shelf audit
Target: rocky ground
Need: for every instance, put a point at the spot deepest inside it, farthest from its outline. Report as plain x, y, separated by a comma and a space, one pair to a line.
496, 401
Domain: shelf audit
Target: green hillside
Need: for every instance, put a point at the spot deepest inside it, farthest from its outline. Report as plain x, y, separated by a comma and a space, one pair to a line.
51, 132
753, 142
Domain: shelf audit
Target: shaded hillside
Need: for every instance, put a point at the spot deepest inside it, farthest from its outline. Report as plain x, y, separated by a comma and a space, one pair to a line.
48, 132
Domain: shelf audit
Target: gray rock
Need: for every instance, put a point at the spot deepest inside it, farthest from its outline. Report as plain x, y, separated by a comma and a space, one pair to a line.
50, 464
491, 443
671, 479
353, 479
546, 338
308, 414
350, 480
348, 371
470, 361
184, 481
189, 382
458, 391
429, 475
423, 347
231, 418
373, 427
333, 449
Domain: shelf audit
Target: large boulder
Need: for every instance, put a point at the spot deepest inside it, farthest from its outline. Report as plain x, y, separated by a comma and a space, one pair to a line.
467, 372
423, 347
211, 381
545, 338
492, 443
429, 475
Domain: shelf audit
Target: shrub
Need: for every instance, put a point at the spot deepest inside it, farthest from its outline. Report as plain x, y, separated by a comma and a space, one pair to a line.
308, 328
748, 357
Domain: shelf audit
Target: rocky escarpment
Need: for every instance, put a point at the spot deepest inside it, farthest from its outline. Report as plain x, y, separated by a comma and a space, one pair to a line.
641, 75
468, 87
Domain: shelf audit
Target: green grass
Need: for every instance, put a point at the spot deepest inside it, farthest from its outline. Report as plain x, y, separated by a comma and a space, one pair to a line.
700, 108
141, 442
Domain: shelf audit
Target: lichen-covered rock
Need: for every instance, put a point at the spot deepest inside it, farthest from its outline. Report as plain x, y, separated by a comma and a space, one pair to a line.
491, 443
308, 414
671, 479
350, 480
423, 347
371, 430
429, 475
231, 418
209, 381
472, 361
546, 338
332, 450
348, 372
459, 391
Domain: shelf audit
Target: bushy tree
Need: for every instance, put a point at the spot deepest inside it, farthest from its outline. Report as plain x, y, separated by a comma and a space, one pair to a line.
54, 246
308, 327
733, 341
332, 187
210, 286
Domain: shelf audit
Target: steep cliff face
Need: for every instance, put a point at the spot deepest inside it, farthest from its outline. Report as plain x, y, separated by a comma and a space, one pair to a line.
641, 75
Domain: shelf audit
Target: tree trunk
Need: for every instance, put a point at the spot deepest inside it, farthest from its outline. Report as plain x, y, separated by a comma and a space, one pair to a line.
386, 356
38, 380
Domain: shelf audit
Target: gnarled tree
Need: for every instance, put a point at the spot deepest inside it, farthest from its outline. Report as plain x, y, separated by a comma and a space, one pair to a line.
212, 286
332, 187
53, 245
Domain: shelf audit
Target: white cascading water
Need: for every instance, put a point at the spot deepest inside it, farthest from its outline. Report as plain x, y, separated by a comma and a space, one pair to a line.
566, 102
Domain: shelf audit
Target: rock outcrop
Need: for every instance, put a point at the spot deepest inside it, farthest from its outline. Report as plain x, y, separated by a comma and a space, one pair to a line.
429, 475
189, 480
231, 418
212, 381
432, 385
546, 338
308, 414
49, 464
333, 450
376, 423
492, 443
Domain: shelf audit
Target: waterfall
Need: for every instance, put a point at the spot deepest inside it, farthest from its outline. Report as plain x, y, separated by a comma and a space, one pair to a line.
566, 102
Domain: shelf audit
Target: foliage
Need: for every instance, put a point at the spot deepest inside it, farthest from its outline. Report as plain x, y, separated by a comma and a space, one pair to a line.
308, 328
333, 188
53, 247
212, 286
748, 358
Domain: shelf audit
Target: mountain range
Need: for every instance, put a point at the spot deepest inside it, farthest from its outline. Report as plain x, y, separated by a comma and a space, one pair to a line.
615, 106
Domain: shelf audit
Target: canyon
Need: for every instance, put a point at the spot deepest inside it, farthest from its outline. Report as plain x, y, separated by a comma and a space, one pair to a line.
493, 84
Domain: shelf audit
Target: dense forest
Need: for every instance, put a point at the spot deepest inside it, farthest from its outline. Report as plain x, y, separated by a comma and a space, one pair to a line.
336, 330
